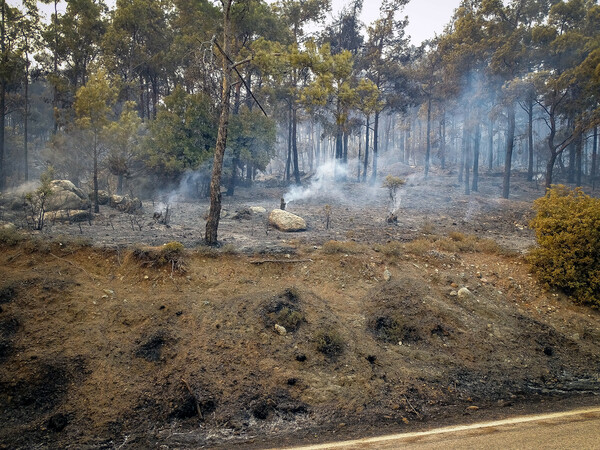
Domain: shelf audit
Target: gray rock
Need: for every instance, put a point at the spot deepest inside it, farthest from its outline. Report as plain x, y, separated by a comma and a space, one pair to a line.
125, 203
387, 275
280, 330
66, 196
464, 293
286, 221
257, 210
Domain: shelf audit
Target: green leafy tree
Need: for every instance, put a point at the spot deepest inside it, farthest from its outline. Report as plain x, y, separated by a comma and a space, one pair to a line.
182, 136
383, 54
94, 109
251, 140
123, 139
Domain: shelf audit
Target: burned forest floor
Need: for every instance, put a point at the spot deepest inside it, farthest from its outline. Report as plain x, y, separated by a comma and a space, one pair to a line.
357, 326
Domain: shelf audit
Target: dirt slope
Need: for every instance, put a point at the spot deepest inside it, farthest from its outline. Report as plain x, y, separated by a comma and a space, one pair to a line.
103, 349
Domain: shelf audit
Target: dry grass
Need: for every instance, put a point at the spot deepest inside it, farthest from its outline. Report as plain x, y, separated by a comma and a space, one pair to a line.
392, 249
346, 247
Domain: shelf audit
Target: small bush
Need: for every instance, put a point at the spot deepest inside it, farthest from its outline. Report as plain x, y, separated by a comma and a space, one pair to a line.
10, 236
330, 343
172, 254
418, 247
457, 236
393, 248
567, 228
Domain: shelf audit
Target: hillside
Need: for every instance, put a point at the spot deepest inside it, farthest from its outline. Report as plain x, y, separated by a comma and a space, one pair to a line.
100, 350
110, 339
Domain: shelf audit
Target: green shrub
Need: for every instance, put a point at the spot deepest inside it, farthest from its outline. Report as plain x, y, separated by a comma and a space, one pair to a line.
567, 227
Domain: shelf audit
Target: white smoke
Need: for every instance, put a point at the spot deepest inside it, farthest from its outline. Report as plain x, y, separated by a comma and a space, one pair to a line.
323, 184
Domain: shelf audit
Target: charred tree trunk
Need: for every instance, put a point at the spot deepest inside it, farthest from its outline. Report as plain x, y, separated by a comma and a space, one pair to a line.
3, 97
510, 143
530, 139
295, 146
491, 145
235, 163
95, 154
428, 138
366, 163
476, 149
288, 163
214, 213
578, 159
359, 156
443, 141
375, 146
594, 158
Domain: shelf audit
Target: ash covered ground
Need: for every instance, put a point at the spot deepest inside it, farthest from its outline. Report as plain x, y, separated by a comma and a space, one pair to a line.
358, 212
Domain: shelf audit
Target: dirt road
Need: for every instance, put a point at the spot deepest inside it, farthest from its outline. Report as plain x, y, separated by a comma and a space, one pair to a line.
577, 429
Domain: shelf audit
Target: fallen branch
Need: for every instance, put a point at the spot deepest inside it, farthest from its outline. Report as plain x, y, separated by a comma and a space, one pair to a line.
74, 265
194, 397
413, 408
282, 261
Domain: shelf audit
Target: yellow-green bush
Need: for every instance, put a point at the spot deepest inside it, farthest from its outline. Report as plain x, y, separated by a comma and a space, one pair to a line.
567, 227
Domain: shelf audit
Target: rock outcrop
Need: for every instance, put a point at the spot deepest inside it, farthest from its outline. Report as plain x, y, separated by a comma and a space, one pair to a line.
66, 196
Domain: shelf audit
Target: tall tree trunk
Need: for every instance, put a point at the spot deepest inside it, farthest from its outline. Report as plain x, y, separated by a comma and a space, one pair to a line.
463, 153
510, 144
359, 156
366, 164
295, 146
476, 149
2, 95
236, 154
318, 156
288, 164
530, 138
428, 138
578, 159
594, 158
96, 204
443, 141
26, 121
375, 146
491, 145
214, 213
345, 155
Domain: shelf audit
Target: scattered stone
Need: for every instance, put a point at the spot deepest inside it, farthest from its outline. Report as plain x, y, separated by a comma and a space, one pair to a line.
257, 210
109, 292
301, 357
464, 293
286, 221
280, 330
453, 293
472, 408
387, 275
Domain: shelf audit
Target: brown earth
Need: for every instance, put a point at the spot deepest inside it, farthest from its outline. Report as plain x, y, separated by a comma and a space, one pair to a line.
109, 346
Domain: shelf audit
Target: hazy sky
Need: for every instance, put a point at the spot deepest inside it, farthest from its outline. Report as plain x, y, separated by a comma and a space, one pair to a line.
426, 17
